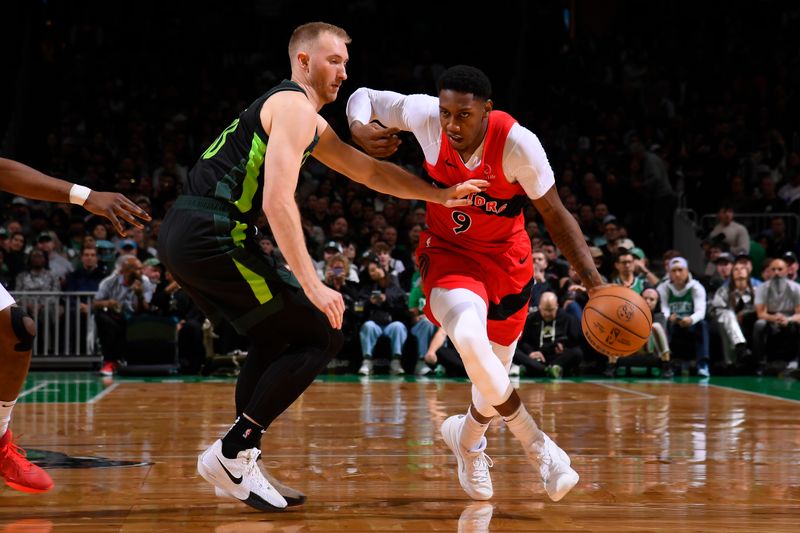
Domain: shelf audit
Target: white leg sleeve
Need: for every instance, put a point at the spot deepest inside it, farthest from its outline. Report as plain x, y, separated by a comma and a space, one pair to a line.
505, 354
462, 313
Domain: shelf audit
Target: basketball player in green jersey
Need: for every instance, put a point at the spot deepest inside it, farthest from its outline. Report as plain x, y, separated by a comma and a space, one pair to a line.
291, 318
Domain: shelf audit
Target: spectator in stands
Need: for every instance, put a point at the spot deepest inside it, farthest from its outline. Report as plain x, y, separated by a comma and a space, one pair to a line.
790, 193
733, 307
386, 310
767, 200
16, 258
683, 302
88, 276
777, 302
775, 241
37, 276
551, 341
733, 233
626, 273
544, 280
641, 266
337, 267
722, 273
791, 265
119, 297
59, 265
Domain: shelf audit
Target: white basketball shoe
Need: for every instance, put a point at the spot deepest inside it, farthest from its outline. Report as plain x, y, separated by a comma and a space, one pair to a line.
241, 477
553, 464
473, 465
292, 496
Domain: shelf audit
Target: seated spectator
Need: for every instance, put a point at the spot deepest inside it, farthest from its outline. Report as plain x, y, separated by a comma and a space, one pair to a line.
731, 232
551, 341
544, 280
335, 277
385, 308
331, 249
170, 300
733, 307
683, 302
777, 302
88, 276
641, 266
37, 277
59, 265
791, 265
626, 275
119, 297
16, 258
722, 272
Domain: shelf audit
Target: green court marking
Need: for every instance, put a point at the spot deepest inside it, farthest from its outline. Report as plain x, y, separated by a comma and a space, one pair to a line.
81, 387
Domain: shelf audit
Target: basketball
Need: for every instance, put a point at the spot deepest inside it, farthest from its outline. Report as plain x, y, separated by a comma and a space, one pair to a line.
616, 321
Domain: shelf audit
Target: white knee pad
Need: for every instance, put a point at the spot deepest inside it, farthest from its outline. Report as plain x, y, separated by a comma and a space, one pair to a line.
462, 313
504, 354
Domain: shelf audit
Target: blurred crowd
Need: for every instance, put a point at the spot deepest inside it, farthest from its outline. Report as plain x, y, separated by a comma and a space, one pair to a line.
636, 124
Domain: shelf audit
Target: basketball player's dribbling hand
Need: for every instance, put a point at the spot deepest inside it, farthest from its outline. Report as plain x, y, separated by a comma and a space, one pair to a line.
330, 302
116, 208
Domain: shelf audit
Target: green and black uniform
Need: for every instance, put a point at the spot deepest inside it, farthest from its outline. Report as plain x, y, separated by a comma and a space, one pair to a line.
206, 242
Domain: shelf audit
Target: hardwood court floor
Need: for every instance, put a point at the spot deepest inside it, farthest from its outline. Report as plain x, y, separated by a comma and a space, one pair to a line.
652, 456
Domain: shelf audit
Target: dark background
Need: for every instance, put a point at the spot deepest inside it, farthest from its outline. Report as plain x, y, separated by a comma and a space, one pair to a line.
568, 70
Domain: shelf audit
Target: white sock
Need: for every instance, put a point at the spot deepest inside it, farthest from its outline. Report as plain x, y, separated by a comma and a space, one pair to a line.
5, 415
472, 432
523, 427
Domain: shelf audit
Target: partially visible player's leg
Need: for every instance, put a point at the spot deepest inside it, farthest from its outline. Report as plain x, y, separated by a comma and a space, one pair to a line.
17, 332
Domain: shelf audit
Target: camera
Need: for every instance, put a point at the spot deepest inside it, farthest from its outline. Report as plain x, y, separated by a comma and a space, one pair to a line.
338, 271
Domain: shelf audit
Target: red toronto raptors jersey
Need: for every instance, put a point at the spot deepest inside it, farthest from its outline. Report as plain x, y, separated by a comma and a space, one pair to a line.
494, 221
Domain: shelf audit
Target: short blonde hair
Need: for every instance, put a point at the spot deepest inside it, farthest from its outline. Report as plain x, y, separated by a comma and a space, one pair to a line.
310, 32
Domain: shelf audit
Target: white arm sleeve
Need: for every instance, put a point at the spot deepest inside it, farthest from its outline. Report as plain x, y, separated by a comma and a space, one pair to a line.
525, 162
699, 298
417, 113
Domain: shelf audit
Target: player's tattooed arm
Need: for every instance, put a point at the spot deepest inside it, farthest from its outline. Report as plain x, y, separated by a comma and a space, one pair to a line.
568, 237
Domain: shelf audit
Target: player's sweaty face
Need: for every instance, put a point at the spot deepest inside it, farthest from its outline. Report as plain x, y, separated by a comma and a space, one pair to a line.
328, 63
464, 119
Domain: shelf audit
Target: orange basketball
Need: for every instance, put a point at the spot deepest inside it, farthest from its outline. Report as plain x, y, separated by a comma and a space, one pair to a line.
616, 321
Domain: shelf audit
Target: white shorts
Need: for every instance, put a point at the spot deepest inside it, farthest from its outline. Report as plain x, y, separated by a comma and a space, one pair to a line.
5, 299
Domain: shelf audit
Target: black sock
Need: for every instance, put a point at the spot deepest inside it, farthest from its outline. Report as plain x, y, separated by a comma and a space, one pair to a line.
242, 435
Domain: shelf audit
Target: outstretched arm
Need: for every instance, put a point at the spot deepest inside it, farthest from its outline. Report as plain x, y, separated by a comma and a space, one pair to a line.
293, 122
386, 177
23, 180
567, 235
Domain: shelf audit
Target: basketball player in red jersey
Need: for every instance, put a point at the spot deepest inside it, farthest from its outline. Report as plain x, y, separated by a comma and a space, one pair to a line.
475, 261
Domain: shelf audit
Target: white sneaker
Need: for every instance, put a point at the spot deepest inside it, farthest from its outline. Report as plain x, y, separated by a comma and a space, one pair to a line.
366, 367
473, 465
422, 368
240, 477
292, 496
475, 518
513, 370
553, 463
396, 368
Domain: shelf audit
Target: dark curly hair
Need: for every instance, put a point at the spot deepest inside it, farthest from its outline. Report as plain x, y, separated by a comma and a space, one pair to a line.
466, 79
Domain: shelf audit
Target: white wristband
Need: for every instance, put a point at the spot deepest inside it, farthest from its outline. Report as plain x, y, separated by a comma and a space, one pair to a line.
78, 194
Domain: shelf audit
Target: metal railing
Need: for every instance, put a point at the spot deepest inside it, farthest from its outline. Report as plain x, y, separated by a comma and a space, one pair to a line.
65, 329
